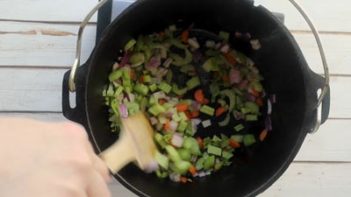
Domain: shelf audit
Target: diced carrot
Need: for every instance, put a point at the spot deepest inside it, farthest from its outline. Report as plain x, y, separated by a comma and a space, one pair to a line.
167, 126
162, 34
141, 79
206, 101
188, 114
183, 179
263, 135
259, 101
234, 144
192, 170
199, 96
182, 107
185, 36
230, 58
132, 74
220, 111
200, 141
195, 114
162, 101
254, 92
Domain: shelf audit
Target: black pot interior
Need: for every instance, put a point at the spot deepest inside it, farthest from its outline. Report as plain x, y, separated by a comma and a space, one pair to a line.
279, 60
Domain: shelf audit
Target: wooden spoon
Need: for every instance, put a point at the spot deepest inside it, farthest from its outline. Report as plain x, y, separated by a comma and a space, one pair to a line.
135, 144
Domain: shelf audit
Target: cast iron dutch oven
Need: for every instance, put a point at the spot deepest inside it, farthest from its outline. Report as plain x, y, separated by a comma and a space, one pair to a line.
280, 61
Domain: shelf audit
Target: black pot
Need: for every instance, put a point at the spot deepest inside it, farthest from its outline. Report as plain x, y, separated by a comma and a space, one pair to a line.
279, 60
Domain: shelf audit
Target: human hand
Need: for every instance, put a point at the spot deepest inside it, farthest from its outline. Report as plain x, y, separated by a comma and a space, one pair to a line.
49, 159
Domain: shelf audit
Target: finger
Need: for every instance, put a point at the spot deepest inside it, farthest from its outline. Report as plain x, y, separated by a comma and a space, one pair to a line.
101, 167
97, 187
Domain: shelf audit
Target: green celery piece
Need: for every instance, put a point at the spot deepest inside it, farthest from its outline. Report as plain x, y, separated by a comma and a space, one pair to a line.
193, 82
118, 91
143, 104
252, 107
153, 87
185, 154
172, 153
209, 162
169, 76
172, 28
200, 164
162, 160
147, 78
126, 73
212, 53
215, 138
224, 35
179, 61
176, 117
130, 44
141, 89
239, 127
115, 75
244, 110
249, 140
231, 96
189, 130
110, 92
137, 59
214, 150
161, 174
156, 109
182, 167
251, 117
133, 108
207, 110
211, 65
257, 86
160, 141
191, 144
187, 68
168, 106
165, 87
183, 116
218, 165
237, 138
104, 94
152, 100
227, 155
214, 89
182, 126
178, 91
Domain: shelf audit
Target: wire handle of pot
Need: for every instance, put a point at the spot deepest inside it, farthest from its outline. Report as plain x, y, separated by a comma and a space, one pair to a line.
325, 88
72, 76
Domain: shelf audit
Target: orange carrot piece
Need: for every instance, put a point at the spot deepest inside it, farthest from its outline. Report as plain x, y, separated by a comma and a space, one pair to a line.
192, 170
185, 36
220, 111
183, 179
195, 114
200, 141
234, 144
263, 135
162, 101
182, 107
230, 58
199, 96
167, 126
132, 74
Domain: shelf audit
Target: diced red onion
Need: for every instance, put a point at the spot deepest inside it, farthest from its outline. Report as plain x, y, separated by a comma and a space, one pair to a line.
131, 97
202, 174
168, 62
177, 140
243, 84
174, 177
123, 110
251, 97
151, 167
154, 62
173, 125
208, 173
193, 159
255, 44
268, 123
162, 72
225, 48
248, 36
125, 59
269, 107
159, 95
153, 121
196, 121
273, 98
196, 106
234, 76
210, 44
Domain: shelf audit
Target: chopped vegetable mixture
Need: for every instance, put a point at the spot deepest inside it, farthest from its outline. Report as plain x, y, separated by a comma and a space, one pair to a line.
188, 87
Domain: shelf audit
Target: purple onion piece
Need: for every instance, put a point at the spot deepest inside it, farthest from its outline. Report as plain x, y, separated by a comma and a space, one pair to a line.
125, 59
234, 76
123, 110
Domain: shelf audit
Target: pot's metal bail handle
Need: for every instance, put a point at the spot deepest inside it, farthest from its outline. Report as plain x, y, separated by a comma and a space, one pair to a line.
72, 76
325, 88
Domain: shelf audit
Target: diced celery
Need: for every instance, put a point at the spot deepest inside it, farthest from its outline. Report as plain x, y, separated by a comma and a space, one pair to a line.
200, 164
224, 35
249, 140
115, 75
162, 160
169, 76
257, 86
182, 126
252, 107
178, 91
126, 73
160, 141
210, 65
141, 89
227, 155
130, 44
237, 138
207, 110
209, 162
118, 91
172, 28
183, 116
251, 117
161, 174
165, 87
152, 100
147, 78
137, 59
153, 87
182, 167
143, 104
191, 144
179, 61
176, 117
239, 127
133, 108
218, 165
156, 109
184, 154
214, 150
110, 91
193, 83
172, 153
231, 96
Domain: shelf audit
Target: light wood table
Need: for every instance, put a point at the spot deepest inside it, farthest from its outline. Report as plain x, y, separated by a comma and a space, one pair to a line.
37, 45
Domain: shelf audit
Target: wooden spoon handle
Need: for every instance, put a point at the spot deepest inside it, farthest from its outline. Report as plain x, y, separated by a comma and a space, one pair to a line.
119, 154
